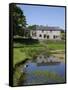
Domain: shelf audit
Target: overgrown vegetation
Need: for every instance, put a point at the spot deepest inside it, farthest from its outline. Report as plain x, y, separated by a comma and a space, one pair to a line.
24, 51
50, 75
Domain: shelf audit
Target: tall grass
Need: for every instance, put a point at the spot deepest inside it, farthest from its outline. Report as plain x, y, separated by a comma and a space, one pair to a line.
50, 75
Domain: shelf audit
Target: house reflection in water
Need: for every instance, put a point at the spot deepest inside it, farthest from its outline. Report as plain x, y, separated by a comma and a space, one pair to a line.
43, 60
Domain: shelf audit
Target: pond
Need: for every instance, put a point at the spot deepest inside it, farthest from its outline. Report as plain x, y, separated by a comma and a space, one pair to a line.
43, 70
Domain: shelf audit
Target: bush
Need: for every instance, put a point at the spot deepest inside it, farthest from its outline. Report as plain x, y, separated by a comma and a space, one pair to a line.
25, 40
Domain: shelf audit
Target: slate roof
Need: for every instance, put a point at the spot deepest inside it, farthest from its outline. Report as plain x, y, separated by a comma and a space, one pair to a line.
48, 28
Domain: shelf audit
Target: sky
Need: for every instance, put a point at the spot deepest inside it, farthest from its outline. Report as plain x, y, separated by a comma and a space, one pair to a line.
44, 15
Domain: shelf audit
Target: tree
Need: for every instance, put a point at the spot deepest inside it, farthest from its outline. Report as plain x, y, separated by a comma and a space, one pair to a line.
62, 34
19, 20
32, 27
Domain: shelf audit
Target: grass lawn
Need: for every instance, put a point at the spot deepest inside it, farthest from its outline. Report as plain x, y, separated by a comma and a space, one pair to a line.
18, 56
56, 46
29, 52
22, 51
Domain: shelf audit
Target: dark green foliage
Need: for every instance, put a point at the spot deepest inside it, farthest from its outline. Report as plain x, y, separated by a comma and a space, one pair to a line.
32, 27
19, 20
28, 41
62, 31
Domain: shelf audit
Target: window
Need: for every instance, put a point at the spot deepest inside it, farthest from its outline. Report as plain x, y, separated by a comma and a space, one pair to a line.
34, 34
40, 35
44, 35
47, 36
54, 36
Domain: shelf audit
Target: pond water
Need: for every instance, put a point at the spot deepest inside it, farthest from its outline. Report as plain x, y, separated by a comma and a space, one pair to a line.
43, 70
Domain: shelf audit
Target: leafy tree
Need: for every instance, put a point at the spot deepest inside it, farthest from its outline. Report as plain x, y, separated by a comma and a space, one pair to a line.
62, 34
32, 27
18, 20
62, 31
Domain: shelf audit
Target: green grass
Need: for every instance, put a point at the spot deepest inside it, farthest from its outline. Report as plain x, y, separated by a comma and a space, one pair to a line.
20, 54
49, 75
56, 46
22, 51
16, 76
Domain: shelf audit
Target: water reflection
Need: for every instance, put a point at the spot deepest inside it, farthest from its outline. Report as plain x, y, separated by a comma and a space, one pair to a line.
47, 60
44, 70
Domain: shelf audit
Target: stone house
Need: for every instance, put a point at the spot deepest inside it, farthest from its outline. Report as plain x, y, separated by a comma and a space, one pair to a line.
46, 32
